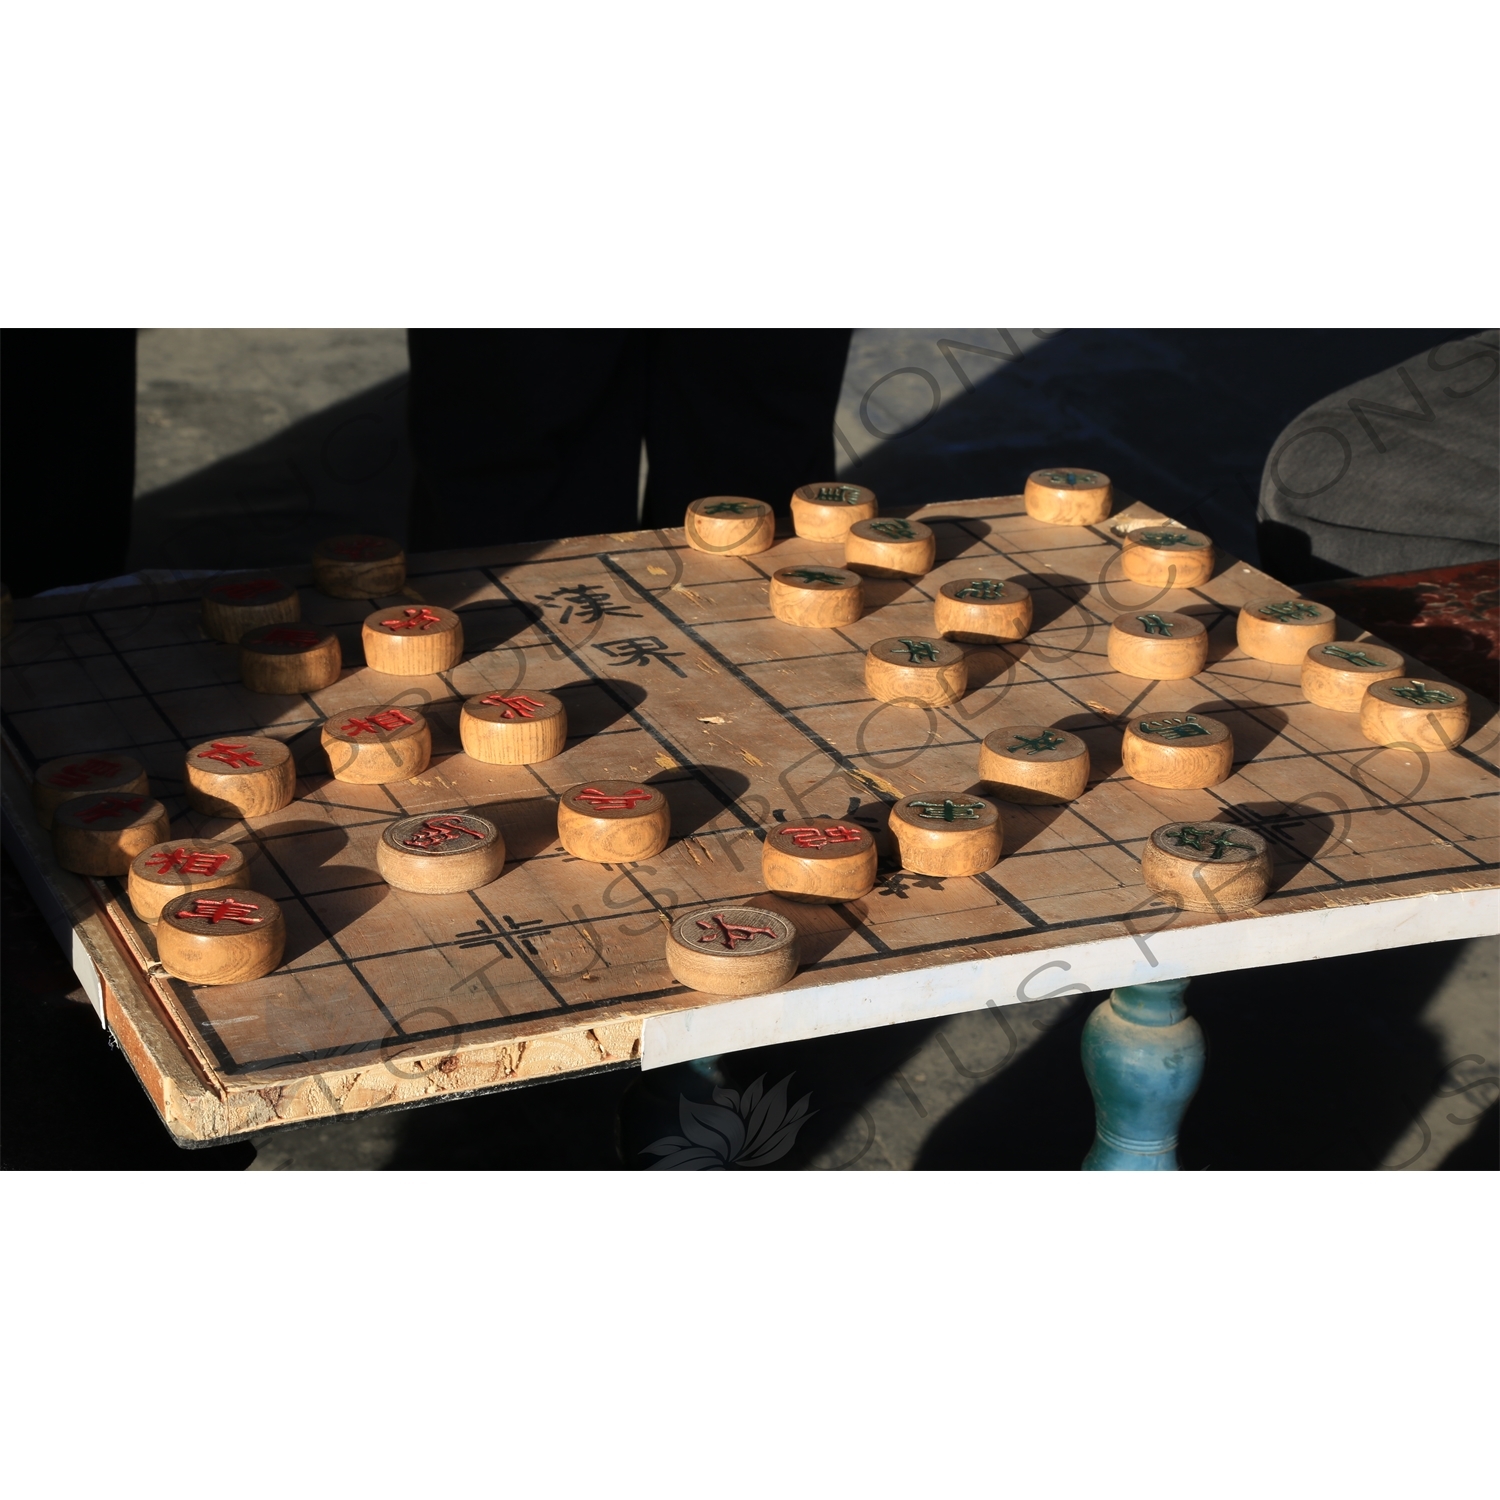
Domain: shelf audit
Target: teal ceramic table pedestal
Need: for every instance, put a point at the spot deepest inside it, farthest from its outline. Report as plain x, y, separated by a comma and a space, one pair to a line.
1143, 1057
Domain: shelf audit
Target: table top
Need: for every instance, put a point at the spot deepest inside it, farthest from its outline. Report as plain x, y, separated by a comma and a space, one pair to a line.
675, 674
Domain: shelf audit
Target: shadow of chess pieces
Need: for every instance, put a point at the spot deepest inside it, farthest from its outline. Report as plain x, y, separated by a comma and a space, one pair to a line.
177, 868
240, 776
378, 745
613, 822
890, 547
227, 936
1158, 645
70, 776
414, 640
1034, 765
730, 525
1281, 630
947, 833
982, 611
819, 597
732, 950
289, 658
1068, 497
513, 729
1408, 711
1337, 673
1167, 557
916, 670
101, 833
230, 609
438, 854
359, 567
825, 512
1207, 866
7, 612
1177, 751
819, 860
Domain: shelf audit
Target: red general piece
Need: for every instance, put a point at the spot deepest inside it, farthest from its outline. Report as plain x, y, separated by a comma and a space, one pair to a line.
224, 910
188, 861
716, 929
111, 807
414, 619
518, 707
387, 718
81, 772
817, 838
603, 802
436, 832
233, 756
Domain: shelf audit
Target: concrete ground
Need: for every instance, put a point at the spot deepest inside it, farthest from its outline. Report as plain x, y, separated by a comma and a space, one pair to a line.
251, 445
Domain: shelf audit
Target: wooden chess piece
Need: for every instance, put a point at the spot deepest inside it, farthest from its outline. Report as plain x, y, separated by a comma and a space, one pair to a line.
180, 867
1033, 764
58, 781
359, 567
376, 746
226, 936
1281, 630
1178, 751
439, 854
890, 547
1168, 557
947, 833
825, 512
1158, 644
982, 611
818, 597
732, 950
613, 822
1068, 497
290, 658
239, 776
1336, 673
101, 833
916, 670
1409, 711
819, 860
412, 640
230, 609
730, 525
1217, 867
513, 729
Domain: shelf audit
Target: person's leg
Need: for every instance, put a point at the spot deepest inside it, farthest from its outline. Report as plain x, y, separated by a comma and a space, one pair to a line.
67, 454
521, 435
740, 412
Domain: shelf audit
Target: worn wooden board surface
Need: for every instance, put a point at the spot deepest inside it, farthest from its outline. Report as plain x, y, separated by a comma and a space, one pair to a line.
675, 673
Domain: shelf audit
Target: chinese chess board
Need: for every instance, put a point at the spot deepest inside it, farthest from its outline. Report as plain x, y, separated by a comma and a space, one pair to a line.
675, 674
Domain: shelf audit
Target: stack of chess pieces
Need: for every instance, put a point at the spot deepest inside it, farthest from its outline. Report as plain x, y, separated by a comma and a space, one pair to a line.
211, 929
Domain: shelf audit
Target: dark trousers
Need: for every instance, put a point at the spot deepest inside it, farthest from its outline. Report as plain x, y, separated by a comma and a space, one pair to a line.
529, 434
67, 454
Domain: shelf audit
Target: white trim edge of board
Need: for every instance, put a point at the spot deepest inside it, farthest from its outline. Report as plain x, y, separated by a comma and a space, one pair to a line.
1085, 968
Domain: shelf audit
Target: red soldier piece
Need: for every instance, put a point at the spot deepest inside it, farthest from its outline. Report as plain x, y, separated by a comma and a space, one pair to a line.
233, 756
208, 909
414, 619
187, 861
518, 707
717, 930
81, 772
613, 802
387, 718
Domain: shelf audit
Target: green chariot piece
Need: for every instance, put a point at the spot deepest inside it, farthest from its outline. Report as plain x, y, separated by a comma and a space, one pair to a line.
918, 650
730, 507
949, 811
1166, 539
1046, 740
1358, 658
1155, 625
1174, 729
895, 528
1422, 695
981, 588
1290, 611
1190, 837
813, 575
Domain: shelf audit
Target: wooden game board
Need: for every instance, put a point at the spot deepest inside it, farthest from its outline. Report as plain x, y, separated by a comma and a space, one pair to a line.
674, 672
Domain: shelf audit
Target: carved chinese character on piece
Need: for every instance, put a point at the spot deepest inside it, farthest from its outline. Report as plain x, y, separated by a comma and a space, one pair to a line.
233, 756
717, 930
211, 909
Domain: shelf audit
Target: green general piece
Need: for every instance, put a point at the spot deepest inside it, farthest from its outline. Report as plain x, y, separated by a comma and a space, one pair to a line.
1289, 612
1174, 729
1167, 539
1067, 476
812, 575
1155, 625
1046, 740
949, 811
1189, 837
1359, 658
730, 507
896, 529
981, 588
918, 650
1420, 694
838, 494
